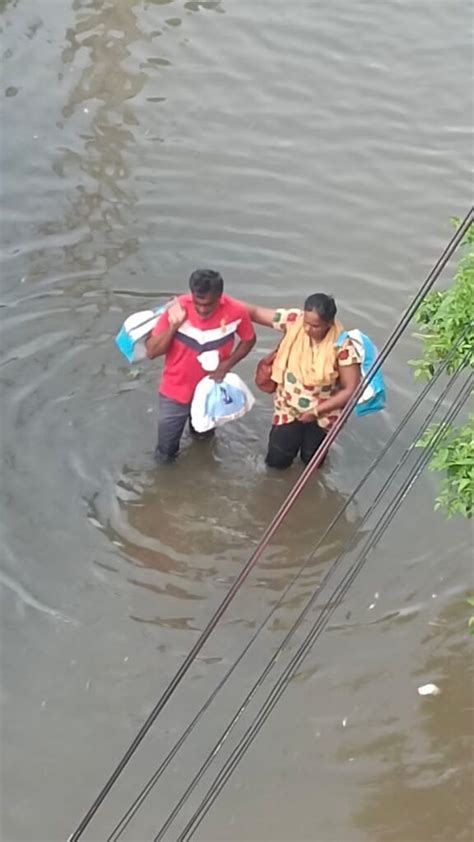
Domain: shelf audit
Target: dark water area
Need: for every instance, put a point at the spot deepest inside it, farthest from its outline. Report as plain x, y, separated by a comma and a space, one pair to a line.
295, 147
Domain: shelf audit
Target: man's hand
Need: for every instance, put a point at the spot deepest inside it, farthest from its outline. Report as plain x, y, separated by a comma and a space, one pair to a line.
159, 344
243, 348
220, 372
176, 314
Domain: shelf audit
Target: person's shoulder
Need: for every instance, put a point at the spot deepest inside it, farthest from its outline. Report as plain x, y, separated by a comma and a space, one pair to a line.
348, 353
286, 315
233, 307
229, 301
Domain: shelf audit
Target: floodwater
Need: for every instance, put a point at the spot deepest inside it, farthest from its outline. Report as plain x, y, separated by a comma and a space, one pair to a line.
295, 146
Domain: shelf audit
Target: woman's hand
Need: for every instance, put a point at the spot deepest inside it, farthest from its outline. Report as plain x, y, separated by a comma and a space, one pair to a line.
307, 417
349, 379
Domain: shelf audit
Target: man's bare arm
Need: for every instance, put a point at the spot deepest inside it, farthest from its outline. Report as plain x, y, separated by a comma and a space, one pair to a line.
260, 315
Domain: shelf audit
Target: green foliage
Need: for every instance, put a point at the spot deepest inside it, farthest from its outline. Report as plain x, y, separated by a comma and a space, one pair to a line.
444, 317
469, 235
455, 456
470, 601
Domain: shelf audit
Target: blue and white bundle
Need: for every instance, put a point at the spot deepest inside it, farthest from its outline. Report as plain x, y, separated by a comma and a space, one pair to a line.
134, 332
215, 404
373, 396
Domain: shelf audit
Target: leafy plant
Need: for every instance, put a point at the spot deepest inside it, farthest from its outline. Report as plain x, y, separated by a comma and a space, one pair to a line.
470, 601
447, 315
446, 318
455, 456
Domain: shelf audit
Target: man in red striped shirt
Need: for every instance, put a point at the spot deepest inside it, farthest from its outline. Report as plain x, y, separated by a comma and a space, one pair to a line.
202, 321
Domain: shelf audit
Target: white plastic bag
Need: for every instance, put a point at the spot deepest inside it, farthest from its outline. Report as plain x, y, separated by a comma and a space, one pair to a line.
135, 331
215, 404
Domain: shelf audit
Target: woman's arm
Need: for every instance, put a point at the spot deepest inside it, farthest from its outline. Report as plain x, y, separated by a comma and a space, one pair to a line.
349, 379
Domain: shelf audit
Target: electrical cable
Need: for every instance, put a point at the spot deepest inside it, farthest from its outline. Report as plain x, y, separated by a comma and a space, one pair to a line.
274, 524
320, 624
145, 791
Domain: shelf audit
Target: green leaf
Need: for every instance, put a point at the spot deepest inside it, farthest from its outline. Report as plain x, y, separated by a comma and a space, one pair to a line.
443, 317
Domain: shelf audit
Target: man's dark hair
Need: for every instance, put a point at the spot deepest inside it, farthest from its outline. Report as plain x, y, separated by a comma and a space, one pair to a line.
205, 282
323, 305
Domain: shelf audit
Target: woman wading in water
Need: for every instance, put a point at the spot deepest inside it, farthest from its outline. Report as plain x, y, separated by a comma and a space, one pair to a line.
313, 378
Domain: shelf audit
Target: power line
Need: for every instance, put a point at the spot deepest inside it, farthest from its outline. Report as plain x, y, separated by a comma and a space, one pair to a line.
274, 525
145, 791
320, 624
310, 603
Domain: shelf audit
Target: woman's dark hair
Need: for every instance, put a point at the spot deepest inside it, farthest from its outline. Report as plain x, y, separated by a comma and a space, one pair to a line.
323, 305
205, 282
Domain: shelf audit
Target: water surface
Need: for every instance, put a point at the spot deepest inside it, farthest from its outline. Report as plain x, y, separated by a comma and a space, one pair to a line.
295, 147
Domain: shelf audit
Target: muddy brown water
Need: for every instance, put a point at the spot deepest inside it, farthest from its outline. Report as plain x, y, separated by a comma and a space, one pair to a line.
294, 146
